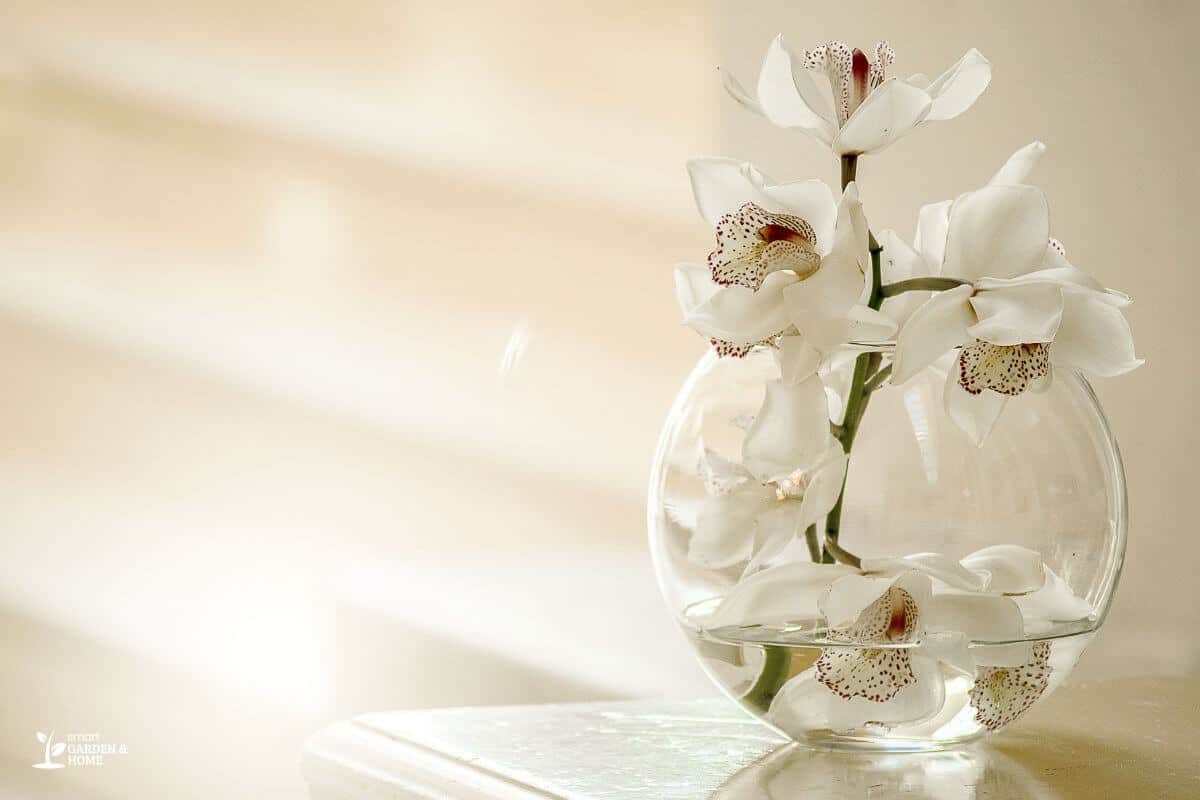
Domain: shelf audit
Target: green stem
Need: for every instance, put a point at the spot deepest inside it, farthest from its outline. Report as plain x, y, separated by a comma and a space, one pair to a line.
867, 364
876, 380
919, 285
777, 662
814, 546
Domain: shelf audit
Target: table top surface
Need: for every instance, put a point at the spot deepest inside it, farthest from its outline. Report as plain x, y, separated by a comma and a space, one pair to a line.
1128, 738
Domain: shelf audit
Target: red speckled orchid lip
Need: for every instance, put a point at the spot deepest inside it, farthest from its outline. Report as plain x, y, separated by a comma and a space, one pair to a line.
752, 243
852, 75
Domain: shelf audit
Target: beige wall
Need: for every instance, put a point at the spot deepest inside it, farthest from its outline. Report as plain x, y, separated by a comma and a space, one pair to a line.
260, 265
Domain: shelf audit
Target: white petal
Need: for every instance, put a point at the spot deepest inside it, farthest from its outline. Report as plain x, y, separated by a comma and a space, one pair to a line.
736, 313
949, 647
868, 325
1061, 273
810, 200
797, 359
774, 530
777, 595
1010, 568
849, 596
890, 111
936, 565
1019, 165
1094, 336
933, 223
997, 231
790, 431
957, 89
900, 262
725, 527
818, 305
974, 414
1054, 602
933, 329
782, 103
738, 92
694, 286
825, 486
980, 617
1018, 314
723, 185
804, 704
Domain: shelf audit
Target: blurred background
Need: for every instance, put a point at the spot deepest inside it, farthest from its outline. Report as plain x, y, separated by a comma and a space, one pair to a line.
336, 338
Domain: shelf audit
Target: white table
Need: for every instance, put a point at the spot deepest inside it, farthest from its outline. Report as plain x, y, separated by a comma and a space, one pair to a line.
1119, 739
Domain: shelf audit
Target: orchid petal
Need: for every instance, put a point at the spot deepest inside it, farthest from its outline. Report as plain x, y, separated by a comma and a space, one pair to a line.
725, 526
733, 87
890, 111
936, 565
848, 597
1011, 569
933, 223
797, 359
900, 262
974, 414
1016, 170
781, 102
957, 89
805, 704
723, 185
950, 647
790, 431
936, 327
997, 231
1054, 602
735, 314
980, 617
1094, 336
825, 486
781, 594
1018, 314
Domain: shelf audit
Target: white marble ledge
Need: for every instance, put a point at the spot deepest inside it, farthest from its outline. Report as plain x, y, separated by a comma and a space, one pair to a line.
1128, 738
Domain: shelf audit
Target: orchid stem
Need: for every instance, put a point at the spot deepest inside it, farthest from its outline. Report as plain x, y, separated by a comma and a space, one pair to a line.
777, 662
814, 546
858, 396
876, 380
919, 285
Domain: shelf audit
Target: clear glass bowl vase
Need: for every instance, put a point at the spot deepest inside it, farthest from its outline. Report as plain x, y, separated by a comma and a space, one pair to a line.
1046, 489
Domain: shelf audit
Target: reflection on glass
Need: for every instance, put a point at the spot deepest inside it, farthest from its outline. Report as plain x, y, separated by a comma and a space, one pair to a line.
797, 772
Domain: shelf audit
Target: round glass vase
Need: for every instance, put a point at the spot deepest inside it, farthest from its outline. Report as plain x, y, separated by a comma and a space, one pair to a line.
1047, 483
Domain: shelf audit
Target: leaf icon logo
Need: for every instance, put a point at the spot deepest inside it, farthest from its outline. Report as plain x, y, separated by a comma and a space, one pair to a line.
51, 750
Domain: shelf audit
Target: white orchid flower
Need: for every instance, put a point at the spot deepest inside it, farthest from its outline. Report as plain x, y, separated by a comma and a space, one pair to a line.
790, 475
1021, 307
893, 629
829, 309
845, 100
769, 236
787, 269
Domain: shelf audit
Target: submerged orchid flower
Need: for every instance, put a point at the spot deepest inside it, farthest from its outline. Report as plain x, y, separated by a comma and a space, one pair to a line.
791, 472
787, 270
1021, 309
897, 628
845, 99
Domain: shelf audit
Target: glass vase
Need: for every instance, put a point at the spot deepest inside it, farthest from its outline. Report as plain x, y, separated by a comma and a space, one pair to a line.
922, 504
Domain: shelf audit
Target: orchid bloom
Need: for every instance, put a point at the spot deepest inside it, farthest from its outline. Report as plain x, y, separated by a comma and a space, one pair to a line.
787, 269
894, 627
791, 472
769, 236
844, 99
1021, 308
